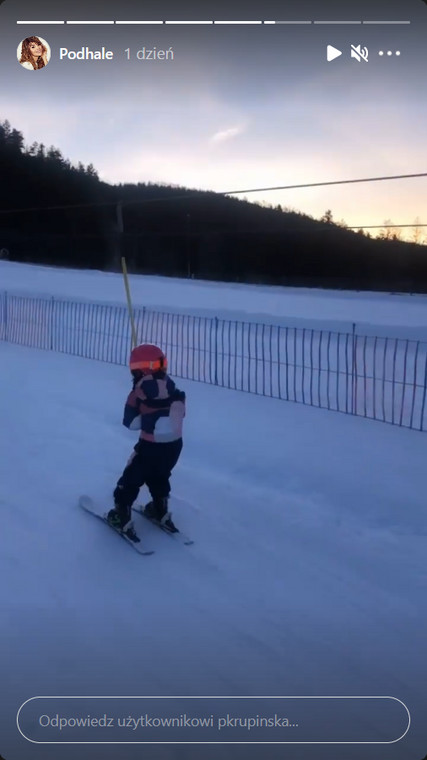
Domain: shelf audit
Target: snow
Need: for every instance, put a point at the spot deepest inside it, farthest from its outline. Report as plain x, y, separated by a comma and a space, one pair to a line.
395, 315
307, 576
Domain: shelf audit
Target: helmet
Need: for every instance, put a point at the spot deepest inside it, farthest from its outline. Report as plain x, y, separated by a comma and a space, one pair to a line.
147, 358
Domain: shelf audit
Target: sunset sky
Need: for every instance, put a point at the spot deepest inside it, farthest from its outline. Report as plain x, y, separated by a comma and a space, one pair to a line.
240, 106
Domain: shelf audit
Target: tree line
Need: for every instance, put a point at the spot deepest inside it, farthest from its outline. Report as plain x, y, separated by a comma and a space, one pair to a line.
54, 212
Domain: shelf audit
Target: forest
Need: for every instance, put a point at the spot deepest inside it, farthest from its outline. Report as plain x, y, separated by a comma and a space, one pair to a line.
53, 212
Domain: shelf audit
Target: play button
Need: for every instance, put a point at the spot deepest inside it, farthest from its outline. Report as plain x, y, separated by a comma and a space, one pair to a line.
332, 53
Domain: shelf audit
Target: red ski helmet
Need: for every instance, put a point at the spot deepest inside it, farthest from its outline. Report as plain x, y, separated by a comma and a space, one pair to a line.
147, 358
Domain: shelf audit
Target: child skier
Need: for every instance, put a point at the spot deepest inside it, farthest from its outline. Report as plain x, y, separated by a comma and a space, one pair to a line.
156, 407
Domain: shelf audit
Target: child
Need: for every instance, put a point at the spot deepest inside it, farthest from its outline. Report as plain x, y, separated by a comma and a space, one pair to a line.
156, 407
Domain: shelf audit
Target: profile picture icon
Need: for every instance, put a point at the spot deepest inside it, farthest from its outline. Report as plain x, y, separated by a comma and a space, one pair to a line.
33, 53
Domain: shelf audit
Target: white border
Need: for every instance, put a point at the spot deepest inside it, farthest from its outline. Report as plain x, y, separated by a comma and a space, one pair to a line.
257, 696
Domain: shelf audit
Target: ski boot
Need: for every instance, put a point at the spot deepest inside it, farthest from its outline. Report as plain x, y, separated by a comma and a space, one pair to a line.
158, 510
116, 522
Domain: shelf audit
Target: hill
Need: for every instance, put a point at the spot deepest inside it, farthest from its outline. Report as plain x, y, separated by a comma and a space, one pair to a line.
52, 212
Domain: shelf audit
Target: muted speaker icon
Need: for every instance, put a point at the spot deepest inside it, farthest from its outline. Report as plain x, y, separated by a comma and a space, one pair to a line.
359, 53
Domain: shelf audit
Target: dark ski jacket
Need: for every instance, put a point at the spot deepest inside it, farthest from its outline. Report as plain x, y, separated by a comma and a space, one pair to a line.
156, 407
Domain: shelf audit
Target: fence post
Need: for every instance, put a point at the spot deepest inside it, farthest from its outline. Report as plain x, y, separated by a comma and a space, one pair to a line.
423, 404
52, 307
142, 333
354, 373
5, 316
216, 352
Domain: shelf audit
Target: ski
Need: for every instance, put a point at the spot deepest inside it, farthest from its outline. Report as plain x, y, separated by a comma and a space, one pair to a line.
86, 503
177, 535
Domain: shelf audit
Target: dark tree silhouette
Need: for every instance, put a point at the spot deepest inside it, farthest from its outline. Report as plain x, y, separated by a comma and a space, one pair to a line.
54, 212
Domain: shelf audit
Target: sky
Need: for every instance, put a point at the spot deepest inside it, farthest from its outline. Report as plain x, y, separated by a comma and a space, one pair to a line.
239, 106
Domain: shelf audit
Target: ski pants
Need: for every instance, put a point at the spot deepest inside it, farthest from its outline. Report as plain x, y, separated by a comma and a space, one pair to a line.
151, 464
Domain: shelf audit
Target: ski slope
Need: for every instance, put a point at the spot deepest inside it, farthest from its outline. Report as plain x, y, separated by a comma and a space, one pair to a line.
308, 572
379, 314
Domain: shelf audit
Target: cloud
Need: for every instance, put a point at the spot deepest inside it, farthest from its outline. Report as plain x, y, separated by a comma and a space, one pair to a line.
226, 134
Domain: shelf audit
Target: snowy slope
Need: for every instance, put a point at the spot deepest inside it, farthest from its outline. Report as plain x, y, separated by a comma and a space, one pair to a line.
393, 315
307, 577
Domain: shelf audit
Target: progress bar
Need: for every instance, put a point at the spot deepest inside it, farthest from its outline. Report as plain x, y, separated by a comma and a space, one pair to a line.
386, 22
139, 22
90, 22
40, 22
211, 22
237, 22
337, 22
188, 22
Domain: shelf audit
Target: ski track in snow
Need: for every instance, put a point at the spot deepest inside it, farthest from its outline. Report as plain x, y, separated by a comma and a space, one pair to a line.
307, 575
